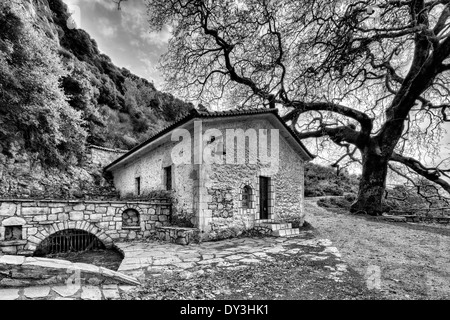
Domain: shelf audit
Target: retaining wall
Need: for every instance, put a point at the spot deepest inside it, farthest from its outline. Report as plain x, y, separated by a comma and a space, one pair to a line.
24, 224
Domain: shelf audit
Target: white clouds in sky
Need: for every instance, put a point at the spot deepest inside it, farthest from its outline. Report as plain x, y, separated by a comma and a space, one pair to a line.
125, 35
106, 28
134, 21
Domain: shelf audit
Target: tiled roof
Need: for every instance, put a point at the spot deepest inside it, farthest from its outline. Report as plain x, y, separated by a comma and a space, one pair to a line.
194, 114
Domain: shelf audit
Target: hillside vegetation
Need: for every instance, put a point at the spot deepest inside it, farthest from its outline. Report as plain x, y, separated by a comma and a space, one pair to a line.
421, 199
326, 181
59, 93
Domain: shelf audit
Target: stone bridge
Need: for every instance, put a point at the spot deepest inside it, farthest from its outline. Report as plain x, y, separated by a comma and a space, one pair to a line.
24, 224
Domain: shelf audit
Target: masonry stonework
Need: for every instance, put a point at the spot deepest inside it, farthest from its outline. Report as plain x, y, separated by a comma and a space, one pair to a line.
38, 219
221, 202
225, 182
150, 169
222, 199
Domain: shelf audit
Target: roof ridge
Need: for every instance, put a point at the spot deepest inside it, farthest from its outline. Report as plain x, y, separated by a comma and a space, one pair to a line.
238, 111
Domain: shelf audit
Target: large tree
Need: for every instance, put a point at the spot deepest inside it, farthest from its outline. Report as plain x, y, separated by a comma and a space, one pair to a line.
371, 76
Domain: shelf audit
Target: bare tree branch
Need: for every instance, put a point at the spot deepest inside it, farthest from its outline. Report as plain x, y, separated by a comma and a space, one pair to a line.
118, 2
433, 174
370, 75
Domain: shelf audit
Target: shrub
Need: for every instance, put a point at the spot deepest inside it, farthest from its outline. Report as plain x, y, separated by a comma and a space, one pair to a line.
350, 197
64, 53
150, 195
34, 107
128, 142
333, 190
320, 181
313, 192
296, 222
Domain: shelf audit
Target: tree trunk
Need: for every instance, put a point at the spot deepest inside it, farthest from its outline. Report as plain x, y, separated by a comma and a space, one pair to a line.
372, 184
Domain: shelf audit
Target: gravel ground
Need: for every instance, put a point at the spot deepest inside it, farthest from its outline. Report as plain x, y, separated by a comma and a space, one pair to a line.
413, 260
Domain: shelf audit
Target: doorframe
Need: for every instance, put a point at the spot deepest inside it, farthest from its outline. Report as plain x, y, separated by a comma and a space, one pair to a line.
270, 198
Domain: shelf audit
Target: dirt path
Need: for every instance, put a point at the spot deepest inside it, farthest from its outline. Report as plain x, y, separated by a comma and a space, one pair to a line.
413, 264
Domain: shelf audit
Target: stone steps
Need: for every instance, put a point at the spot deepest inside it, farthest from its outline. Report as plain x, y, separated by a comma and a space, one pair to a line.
279, 229
291, 232
276, 226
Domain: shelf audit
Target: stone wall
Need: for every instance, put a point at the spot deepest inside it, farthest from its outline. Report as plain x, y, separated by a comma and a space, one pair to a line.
16, 271
179, 235
101, 156
221, 200
40, 219
23, 176
209, 196
150, 169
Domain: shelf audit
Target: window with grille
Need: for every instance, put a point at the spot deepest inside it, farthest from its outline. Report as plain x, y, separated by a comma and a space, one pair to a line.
246, 197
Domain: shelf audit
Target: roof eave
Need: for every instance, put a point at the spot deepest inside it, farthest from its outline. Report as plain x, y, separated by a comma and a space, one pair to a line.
193, 114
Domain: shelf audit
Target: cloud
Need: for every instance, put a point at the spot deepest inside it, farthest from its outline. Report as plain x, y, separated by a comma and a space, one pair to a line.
134, 22
125, 35
74, 2
135, 43
106, 28
159, 39
108, 4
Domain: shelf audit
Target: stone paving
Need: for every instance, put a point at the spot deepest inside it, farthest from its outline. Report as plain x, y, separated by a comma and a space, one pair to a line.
147, 259
63, 292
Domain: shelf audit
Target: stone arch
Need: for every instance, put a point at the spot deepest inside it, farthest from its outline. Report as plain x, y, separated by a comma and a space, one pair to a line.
43, 232
133, 208
130, 218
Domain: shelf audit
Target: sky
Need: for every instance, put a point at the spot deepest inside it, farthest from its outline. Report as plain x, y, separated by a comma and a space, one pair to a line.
123, 35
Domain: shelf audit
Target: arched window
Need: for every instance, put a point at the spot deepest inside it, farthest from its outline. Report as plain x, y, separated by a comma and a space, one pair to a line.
130, 218
246, 197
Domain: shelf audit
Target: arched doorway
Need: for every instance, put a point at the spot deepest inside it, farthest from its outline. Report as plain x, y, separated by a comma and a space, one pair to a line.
69, 240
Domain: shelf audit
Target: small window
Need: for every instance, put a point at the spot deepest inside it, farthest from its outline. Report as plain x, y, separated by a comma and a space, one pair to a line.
13, 233
168, 177
138, 185
130, 218
246, 197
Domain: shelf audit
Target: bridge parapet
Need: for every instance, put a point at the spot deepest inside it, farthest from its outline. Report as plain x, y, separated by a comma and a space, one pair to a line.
24, 224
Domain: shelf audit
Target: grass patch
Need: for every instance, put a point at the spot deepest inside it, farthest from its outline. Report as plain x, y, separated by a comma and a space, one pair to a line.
337, 205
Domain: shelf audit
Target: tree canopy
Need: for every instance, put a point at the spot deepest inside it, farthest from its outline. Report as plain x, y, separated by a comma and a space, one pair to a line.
372, 76
33, 106
58, 93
